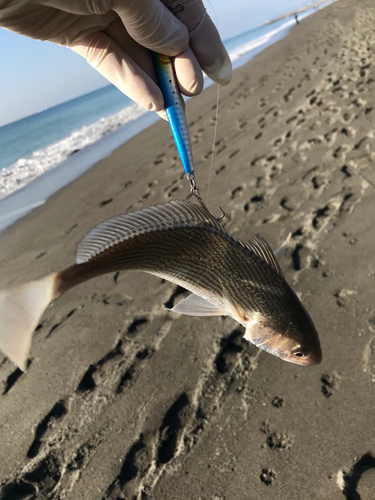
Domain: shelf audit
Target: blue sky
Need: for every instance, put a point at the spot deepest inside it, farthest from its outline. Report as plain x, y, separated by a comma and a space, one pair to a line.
37, 75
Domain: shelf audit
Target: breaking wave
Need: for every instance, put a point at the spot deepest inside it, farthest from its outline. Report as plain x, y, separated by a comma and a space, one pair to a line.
26, 169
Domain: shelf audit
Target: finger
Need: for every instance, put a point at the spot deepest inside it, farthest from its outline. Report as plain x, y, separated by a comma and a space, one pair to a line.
163, 114
47, 23
204, 39
188, 72
210, 52
83, 7
65, 22
152, 25
113, 63
142, 56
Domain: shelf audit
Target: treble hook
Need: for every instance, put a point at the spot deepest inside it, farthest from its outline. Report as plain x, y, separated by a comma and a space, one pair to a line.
195, 192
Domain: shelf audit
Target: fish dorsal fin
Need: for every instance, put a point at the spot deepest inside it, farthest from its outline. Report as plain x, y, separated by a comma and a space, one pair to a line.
174, 214
279, 252
194, 305
261, 248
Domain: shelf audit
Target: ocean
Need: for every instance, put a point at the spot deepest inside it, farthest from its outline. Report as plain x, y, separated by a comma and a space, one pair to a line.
76, 134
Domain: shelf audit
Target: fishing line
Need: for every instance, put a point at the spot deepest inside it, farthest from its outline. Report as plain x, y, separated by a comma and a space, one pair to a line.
213, 144
372, 185
216, 119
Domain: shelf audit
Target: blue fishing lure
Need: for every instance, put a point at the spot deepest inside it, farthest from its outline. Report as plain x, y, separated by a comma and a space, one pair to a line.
174, 107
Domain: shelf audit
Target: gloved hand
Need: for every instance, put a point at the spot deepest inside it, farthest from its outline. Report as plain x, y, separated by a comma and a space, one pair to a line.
116, 36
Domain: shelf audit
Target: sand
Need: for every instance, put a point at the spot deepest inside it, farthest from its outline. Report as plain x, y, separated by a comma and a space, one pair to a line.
123, 400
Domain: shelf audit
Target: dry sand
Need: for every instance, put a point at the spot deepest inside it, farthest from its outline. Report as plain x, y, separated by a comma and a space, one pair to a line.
123, 400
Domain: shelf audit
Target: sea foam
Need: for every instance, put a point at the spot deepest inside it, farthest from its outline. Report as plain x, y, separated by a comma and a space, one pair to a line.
26, 169
257, 42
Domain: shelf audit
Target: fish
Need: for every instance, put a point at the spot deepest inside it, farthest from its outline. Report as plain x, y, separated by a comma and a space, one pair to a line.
182, 243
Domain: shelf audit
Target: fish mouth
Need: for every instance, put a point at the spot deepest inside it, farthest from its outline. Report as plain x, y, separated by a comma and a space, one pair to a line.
265, 335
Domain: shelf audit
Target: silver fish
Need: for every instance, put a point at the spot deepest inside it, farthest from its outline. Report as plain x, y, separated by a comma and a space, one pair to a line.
180, 242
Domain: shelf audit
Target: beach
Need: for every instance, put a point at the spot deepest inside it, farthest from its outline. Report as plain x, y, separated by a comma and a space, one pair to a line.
125, 400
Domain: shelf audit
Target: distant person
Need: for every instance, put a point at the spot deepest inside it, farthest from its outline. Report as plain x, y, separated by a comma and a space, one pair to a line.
116, 37
296, 18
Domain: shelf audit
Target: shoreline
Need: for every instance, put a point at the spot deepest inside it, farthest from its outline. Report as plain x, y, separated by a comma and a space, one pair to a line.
36, 192
20, 202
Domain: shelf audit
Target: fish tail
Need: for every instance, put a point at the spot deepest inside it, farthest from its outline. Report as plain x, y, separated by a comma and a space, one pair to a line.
21, 308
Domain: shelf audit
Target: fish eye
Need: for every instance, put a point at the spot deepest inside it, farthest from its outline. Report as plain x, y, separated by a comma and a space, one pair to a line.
299, 351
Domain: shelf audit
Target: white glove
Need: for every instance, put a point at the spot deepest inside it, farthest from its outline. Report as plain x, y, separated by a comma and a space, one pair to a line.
115, 36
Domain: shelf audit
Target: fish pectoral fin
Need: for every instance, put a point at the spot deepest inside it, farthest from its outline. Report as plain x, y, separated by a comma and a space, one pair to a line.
194, 305
235, 311
279, 252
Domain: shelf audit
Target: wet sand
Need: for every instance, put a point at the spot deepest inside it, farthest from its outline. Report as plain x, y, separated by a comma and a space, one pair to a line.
123, 400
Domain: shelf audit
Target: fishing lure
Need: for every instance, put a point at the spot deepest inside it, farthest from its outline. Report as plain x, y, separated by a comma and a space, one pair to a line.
175, 110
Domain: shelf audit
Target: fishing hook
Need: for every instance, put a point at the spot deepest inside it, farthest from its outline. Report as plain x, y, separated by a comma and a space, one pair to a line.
195, 192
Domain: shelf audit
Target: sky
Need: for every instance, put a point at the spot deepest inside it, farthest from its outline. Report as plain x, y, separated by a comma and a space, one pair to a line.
37, 75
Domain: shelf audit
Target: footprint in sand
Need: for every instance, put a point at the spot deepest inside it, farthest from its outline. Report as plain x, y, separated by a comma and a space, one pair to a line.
267, 476
255, 203
288, 96
233, 154
220, 169
39, 480
132, 373
359, 482
159, 159
278, 87
241, 123
105, 202
68, 231
39, 256
46, 427
330, 383
97, 372
134, 327
62, 321
14, 377
152, 451
276, 440
235, 192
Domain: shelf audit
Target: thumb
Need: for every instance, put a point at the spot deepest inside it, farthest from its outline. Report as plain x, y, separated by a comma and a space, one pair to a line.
152, 25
